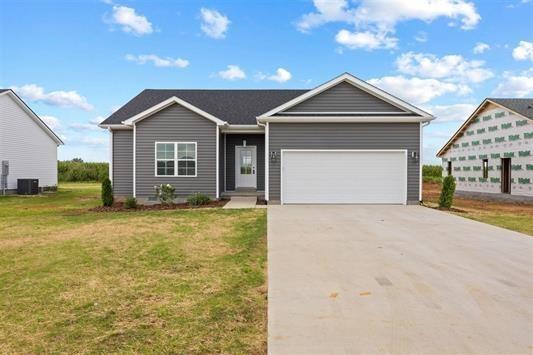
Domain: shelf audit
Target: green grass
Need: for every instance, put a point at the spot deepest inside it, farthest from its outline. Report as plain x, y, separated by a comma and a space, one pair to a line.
182, 281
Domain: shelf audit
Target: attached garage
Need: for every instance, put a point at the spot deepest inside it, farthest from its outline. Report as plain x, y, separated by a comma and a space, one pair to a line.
344, 176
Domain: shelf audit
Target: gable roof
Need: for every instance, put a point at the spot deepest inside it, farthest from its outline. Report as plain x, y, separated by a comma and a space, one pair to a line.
232, 106
522, 107
32, 115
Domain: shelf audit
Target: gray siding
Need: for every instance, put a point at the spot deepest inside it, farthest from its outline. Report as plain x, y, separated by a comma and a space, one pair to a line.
176, 124
344, 97
123, 163
344, 136
233, 140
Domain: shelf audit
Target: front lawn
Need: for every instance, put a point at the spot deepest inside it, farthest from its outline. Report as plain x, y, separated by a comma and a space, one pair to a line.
180, 281
514, 216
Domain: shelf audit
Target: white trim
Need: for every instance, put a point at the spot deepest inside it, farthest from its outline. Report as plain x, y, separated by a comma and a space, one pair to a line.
217, 194
267, 161
115, 126
170, 101
338, 119
225, 166
33, 116
342, 113
346, 77
134, 160
176, 159
242, 128
344, 150
420, 150
110, 172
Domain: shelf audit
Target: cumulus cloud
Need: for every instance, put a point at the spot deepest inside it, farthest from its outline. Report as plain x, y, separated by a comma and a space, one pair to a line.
94, 140
421, 37
481, 47
450, 113
33, 92
157, 61
233, 72
52, 122
524, 51
452, 67
418, 90
130, 21
380, 17
281, 76
520, 85
366, 40
214, 24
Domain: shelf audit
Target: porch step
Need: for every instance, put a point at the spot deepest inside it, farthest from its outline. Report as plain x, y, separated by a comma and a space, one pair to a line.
241, 202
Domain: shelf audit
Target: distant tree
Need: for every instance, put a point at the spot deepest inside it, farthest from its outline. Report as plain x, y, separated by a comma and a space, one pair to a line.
77, 160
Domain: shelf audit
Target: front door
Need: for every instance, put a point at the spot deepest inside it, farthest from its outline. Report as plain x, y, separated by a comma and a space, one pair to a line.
245, 167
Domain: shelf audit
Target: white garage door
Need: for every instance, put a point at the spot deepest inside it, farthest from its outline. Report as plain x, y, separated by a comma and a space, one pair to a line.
344, 176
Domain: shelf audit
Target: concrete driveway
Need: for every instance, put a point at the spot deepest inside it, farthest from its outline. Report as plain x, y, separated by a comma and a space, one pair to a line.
395, 279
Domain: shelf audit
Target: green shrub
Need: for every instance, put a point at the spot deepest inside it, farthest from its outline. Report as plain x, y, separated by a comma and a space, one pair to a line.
130, 203
446, 195
76, 171
198, 199
165, 193
107, 193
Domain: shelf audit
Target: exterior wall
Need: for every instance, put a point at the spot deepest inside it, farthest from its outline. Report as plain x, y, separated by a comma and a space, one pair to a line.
122, 163
345, 136
344, 97
31, 152
233, 140
176, 124
494, 134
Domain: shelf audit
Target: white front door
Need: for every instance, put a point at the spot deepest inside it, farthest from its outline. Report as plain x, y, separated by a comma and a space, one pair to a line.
245, 166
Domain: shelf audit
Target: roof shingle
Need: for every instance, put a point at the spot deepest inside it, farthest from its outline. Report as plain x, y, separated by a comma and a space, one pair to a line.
521, 106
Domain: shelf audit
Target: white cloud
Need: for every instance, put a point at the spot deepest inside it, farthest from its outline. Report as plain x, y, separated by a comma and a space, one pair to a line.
481, 47
450, 113
418, 90
97, 120
380, 17
157, 61
94, 140
524, 51
452, 67
233, 72
92, 125
282, 75
421, 37
33, 92
214, 24
52, 122
366, 40
515, 85
130, 21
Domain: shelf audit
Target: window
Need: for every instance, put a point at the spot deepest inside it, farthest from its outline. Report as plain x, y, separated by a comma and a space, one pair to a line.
485, 168
449, 168
175, 159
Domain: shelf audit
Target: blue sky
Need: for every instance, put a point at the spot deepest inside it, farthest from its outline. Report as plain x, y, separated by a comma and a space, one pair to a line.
74, 62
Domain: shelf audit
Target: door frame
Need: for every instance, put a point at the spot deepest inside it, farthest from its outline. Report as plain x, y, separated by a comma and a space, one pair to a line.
238, 165
505, 175
345, 150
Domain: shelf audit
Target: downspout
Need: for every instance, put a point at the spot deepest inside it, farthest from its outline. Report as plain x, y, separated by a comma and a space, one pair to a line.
422, 125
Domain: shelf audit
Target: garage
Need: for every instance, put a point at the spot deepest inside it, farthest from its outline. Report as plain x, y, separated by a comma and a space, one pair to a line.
344, 176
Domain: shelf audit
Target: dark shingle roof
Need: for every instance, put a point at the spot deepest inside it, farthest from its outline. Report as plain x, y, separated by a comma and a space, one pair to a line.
233, 106
3, 90
521, 106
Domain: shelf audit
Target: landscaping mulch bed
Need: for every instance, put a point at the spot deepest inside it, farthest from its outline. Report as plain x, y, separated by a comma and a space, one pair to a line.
119, 207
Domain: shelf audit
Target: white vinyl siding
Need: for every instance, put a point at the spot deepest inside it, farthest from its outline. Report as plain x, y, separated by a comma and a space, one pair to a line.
344, 176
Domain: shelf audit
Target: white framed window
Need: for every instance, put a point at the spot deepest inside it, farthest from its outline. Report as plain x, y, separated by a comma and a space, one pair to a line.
176, 159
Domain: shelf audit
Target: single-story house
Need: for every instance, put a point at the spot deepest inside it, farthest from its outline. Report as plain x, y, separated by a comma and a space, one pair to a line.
491, 152
28, 147
344, 141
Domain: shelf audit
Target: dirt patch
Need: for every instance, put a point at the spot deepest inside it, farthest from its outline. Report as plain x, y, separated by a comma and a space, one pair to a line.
119, 207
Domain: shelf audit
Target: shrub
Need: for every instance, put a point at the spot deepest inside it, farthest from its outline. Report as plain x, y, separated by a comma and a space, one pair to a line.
107, 193
76, 170
198, 199
165, 193
446, 195
130, 203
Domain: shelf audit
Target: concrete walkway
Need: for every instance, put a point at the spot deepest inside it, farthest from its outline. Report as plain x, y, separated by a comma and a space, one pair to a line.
241, 202
395, 279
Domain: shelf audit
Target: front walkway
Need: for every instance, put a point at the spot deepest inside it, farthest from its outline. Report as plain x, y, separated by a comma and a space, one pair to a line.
237, 202
395, 279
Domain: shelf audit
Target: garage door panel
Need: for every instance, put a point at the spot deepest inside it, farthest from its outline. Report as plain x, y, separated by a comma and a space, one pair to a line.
344, 177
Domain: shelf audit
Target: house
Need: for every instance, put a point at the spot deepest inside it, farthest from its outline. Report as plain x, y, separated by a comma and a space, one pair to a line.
27, 145
491, 153
344, 141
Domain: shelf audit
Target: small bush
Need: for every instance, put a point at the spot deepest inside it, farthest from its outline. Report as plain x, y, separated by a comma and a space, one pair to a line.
130, 203
165, 193
446, 195
198, 199
107, 193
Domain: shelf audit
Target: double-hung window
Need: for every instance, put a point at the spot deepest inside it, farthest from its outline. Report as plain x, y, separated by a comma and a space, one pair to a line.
175, 159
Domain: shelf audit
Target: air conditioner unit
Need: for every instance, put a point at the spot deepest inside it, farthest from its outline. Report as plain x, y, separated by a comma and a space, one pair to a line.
27, 186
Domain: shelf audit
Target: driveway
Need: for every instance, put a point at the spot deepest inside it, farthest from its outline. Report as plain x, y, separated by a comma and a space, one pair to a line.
395, 279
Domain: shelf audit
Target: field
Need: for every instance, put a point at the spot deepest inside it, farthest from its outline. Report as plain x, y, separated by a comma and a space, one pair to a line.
181, 281
514, 216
